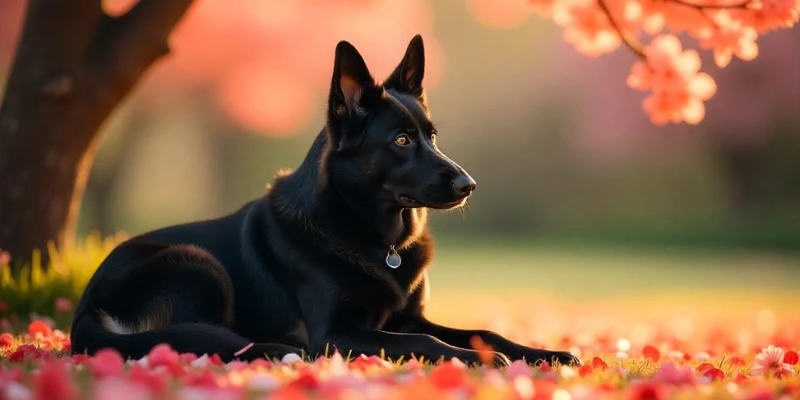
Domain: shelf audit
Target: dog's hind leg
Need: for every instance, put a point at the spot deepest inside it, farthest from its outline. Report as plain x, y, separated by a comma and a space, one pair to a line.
179, 295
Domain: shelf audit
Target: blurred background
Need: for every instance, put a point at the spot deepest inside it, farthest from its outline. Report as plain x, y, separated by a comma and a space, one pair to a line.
579, 195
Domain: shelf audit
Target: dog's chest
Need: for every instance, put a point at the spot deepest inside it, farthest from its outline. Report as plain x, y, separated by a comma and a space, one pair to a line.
379, 290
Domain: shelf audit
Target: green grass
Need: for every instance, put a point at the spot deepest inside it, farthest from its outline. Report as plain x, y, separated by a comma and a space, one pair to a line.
573, 270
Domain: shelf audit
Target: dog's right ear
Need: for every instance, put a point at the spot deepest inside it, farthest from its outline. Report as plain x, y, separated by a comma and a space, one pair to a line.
351, 94
407, 77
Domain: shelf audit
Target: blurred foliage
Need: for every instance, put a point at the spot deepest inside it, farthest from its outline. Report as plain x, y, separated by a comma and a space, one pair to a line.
31, 290
558, 145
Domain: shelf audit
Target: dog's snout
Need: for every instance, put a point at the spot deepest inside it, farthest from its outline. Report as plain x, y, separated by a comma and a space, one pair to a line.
464, 184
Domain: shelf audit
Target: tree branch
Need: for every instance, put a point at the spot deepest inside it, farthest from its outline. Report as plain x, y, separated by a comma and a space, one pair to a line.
702, 7
629, 41
133, 41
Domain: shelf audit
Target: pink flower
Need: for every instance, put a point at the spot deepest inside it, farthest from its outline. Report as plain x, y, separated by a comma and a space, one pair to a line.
54, 383
155, 382
162, 354
673, 76
63, 304
767, 15
518, 368
114, 388
107, 362
586, 27
770, 360
670, 373
731, 38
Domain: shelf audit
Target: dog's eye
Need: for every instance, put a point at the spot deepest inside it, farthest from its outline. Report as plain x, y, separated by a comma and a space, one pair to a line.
433, 138
402, 140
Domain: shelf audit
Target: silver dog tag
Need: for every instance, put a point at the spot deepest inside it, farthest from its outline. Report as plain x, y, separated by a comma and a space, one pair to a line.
393, 259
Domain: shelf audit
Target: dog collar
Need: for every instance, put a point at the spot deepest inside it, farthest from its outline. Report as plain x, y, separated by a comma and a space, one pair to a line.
393, 259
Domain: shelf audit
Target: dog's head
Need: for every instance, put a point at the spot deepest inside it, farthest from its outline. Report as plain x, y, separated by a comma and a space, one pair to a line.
382, 143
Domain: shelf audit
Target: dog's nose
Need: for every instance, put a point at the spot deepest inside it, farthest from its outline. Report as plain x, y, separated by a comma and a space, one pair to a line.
464, 184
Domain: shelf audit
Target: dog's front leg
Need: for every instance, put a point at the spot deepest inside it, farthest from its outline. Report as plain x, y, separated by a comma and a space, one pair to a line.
463, 338
359, 341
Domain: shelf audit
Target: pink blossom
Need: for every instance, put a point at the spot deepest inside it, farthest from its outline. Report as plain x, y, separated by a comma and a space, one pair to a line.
770, 360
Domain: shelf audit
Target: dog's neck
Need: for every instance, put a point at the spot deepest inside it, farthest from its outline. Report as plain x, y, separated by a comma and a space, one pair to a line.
310, 200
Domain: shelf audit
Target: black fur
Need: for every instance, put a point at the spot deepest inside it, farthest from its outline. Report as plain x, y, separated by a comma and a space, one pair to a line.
303, 268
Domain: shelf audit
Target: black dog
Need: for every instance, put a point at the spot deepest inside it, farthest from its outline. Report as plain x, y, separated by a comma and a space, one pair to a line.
333, 257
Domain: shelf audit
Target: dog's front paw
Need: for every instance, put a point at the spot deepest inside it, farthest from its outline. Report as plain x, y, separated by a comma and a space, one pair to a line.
501, 360
551, 357
565, 358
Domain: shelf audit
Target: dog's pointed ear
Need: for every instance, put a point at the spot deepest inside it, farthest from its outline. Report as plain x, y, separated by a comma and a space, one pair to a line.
353, 93
350, 82
407, 77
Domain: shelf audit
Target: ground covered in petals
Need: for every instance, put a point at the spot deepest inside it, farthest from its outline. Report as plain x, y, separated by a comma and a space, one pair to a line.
682, 358
646, 328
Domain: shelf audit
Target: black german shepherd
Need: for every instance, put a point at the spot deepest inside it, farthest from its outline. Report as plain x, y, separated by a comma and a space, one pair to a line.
334, 256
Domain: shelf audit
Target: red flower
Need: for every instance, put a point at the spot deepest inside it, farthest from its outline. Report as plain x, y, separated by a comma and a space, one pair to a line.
736, 361
107, 362
740, 378
714, 374
545, 367
162, 354
647, 390
54, 383
215, 360
25, 352
6, 340
81, 359
599, 363
203, 378
790, 357
651, 353
585, 370
3, 306
704, 367
39, 327
449, 376
362, 362
306, 380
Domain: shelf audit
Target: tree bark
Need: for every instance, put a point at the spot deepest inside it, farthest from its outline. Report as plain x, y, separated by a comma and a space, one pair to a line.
72, 66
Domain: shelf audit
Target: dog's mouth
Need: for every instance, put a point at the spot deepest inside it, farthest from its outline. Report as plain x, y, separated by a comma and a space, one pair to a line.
409, 202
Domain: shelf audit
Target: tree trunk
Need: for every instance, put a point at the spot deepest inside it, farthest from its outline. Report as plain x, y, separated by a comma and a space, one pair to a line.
72, 66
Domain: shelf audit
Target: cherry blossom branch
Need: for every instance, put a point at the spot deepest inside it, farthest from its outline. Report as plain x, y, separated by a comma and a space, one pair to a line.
629, 41
701, 7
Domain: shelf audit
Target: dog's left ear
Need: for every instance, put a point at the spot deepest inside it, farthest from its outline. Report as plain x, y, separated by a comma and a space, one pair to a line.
353, 93
350, 84
407, 77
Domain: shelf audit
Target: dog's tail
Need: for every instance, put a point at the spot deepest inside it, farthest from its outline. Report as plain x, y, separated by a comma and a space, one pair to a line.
89, 335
